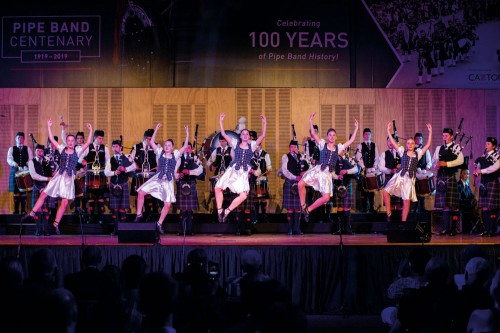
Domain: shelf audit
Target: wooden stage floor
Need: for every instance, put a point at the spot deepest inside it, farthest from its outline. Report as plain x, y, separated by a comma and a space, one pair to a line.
253, 240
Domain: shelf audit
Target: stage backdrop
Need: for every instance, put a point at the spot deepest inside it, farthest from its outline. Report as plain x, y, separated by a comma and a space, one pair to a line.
209, 43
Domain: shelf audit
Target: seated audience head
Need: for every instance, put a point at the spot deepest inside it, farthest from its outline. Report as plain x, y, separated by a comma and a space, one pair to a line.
477, 271
61, 311
437, 271
42, 266
133, 270
91, 256
157, 296
251, 261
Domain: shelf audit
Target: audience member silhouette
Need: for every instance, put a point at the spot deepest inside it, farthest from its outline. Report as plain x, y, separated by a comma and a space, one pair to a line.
488, 320
200, 304
133, 270
410, 276
157, 301
270, 309
12, 278
60, 311
108, 314
43, 277
433, 307
475, 293
86, 285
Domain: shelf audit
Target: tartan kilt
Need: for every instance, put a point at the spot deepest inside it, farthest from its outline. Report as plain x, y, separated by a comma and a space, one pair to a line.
36, 195
121, 201
187, 202
449, 198
492, 198
290, 201
347, 201
12, 181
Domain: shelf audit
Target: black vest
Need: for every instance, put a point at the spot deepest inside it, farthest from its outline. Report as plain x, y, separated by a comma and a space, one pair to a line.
90, 158
447, 155
20, 156
219, 158
43, 169
390, 161
140, 156
293, 164
313, 150
123, 176
422, 162
188, 164
368, 154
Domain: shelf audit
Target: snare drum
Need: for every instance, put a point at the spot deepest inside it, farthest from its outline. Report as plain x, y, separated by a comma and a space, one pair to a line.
373, 182
95, 181
24, 181
260, 187
424, 184
141, 178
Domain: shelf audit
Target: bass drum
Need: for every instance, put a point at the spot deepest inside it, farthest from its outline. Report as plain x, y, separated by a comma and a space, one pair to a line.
211, 142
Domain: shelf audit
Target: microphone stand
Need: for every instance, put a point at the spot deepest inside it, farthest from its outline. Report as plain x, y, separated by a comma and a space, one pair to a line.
19, 244
81, 217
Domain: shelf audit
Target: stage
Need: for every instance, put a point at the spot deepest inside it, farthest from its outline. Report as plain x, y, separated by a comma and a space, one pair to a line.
323, 271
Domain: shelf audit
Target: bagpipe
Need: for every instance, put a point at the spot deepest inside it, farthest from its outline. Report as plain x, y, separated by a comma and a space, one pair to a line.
196, 156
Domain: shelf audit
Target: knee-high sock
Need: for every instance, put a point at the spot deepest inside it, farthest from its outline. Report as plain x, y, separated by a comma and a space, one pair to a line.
347, 221
183, 216
455, 215
340, 221
22, 203
189, 222
290, 220
445, 220
487, 220
296, 223
45, 221
17, 202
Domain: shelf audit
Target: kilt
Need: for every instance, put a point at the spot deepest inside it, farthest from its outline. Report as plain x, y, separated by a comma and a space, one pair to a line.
290, 201
347, 201
449, 198
12, 181
121, 201
187, 202
36, 194
492, 198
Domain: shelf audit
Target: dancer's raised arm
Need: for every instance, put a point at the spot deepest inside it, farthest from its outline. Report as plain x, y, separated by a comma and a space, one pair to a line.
186, 141
353, 136
314, 136
222, 131
89, 138
263, 134
152, 142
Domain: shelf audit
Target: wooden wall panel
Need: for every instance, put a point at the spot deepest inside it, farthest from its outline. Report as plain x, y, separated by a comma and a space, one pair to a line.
137, 114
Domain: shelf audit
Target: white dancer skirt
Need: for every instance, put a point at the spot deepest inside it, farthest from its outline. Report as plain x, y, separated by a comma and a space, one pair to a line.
161, 189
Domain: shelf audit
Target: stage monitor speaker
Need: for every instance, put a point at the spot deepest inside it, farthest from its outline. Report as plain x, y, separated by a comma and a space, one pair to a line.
409, 232
137, 232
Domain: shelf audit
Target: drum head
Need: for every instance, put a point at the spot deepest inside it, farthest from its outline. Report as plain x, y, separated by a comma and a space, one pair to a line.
212, 142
